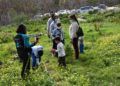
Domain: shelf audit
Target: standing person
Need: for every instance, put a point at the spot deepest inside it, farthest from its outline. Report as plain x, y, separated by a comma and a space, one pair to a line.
59, 32
37, 52
23, 47
73, 34
53, 27
50, 20
61, 52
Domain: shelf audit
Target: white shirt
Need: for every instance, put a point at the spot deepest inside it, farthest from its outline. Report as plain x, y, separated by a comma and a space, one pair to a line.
53, 26
48, 25
60, 50
73, 29
35, 50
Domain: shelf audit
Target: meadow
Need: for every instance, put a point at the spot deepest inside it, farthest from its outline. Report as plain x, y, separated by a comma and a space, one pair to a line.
98, 66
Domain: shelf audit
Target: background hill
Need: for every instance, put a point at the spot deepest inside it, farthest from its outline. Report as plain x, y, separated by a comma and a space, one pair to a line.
12, 10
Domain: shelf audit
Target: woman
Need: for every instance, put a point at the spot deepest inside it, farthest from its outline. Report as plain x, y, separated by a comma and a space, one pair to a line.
72, 32
23, 47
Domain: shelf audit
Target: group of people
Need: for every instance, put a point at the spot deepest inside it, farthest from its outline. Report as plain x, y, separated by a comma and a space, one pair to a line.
25, 49
55, 31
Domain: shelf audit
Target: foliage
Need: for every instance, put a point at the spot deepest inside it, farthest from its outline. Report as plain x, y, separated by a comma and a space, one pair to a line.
98, 66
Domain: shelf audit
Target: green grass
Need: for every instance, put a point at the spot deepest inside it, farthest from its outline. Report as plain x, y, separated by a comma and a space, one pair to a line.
98, 66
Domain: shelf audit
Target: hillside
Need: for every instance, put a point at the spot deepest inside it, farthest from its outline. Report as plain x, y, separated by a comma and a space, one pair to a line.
98, 66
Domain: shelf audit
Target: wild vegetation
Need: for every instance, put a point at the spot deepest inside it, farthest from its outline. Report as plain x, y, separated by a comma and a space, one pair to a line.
98, 66
12, 10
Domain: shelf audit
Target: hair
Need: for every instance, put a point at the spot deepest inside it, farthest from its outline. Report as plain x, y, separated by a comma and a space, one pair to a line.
21, 29
53, 16
57, 39
58, 24
73, 17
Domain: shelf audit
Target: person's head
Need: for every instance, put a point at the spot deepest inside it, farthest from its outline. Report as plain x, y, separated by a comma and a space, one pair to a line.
53, 16
73, 17
40, 53
57, 40
21, 29
59, 24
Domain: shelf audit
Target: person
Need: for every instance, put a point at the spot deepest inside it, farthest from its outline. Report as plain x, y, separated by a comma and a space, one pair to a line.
61, 52
72, 32
23, 47
81, 44
59, 32
53, 27
50, 20
37, 52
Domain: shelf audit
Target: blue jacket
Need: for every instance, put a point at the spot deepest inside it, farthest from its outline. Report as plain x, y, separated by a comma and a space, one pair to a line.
58, 33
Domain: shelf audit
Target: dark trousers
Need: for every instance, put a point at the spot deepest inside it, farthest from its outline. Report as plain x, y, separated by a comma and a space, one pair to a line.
61, 61
75, 46
54, 44
26, 66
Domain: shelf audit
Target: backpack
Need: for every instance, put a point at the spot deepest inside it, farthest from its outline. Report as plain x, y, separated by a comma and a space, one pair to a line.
19, 41
80, 32
21, 49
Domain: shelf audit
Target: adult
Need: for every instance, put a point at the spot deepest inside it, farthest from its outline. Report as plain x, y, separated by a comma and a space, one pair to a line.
23, 47
50, 20
53, 26
73, 34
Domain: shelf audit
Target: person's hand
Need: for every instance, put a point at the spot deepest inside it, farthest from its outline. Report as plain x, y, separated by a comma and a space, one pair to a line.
37, 40
52, 50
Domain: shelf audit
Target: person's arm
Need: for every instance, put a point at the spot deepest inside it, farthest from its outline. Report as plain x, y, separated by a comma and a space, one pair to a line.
70, 30
58, 48
48, 27
34, 43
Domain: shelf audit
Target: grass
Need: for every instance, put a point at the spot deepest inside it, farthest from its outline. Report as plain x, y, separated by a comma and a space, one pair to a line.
98, 66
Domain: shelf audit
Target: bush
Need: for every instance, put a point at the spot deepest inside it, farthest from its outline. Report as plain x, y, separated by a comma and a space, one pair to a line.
96, 18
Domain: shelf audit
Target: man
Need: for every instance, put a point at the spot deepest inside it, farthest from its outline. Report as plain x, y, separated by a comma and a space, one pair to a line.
50, 20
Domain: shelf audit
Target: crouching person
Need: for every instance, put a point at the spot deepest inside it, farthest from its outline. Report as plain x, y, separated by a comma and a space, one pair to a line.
61, 52
37, 52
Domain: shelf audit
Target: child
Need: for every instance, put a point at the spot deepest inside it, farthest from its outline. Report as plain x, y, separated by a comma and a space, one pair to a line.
37, 52
61, 52
59, 32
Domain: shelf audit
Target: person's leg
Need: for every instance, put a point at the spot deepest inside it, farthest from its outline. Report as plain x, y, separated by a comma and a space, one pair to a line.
33, 60
81, 45
23, 67
63, 61
59, 61
75, 45
28, 66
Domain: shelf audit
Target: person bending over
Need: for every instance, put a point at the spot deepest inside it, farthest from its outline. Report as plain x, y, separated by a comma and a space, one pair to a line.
37, 52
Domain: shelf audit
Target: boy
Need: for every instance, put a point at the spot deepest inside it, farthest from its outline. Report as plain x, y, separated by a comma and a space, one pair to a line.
61, 52
37, 52
59, 32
